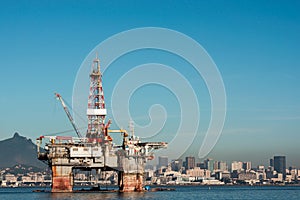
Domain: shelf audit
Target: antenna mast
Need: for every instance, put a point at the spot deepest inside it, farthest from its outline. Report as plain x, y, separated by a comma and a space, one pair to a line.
131, 128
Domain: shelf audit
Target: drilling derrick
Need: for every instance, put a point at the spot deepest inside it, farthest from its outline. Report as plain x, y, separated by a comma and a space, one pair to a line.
96, 111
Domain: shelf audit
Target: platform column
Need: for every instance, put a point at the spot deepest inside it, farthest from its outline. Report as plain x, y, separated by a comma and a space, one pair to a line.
62, 179
130, 182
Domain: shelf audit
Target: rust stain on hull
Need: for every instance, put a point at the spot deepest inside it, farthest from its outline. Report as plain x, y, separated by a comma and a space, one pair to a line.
62, 179
130, 182
61, 184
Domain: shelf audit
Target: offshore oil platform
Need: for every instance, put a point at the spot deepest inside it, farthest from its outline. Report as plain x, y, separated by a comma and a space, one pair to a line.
96, 151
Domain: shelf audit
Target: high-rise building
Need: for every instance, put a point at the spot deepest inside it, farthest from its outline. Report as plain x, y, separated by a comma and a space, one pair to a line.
162, 161
209, 164
280, 165
236, 165
271, 162
216, 165
176, 165
247, 166
222, 166
201, 165
189, 162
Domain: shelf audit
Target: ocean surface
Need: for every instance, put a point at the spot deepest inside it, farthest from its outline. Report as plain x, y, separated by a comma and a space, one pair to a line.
181, 192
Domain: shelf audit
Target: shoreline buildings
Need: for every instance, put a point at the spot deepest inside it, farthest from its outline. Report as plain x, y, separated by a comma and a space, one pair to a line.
177, 172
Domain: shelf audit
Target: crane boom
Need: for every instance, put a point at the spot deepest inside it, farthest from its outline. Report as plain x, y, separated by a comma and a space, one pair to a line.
58, 96
119, 131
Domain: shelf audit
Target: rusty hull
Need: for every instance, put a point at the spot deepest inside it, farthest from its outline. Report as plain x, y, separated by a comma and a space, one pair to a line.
130, 182
62, 179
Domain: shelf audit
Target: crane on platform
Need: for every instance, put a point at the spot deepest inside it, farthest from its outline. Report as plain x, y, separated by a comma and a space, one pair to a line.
58, 96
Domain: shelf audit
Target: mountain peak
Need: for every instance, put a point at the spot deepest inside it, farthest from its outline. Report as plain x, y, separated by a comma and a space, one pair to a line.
16, 135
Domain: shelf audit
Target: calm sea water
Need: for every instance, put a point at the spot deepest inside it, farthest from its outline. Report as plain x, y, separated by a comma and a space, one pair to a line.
182, 192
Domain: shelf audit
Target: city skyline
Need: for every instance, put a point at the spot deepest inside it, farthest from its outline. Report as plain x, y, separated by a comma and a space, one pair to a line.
210, 163
254, 44
175, 172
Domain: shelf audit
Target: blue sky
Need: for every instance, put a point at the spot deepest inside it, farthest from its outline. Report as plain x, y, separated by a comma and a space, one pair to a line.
255, 45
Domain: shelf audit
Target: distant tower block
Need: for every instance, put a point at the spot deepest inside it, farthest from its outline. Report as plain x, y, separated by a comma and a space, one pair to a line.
96, 111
